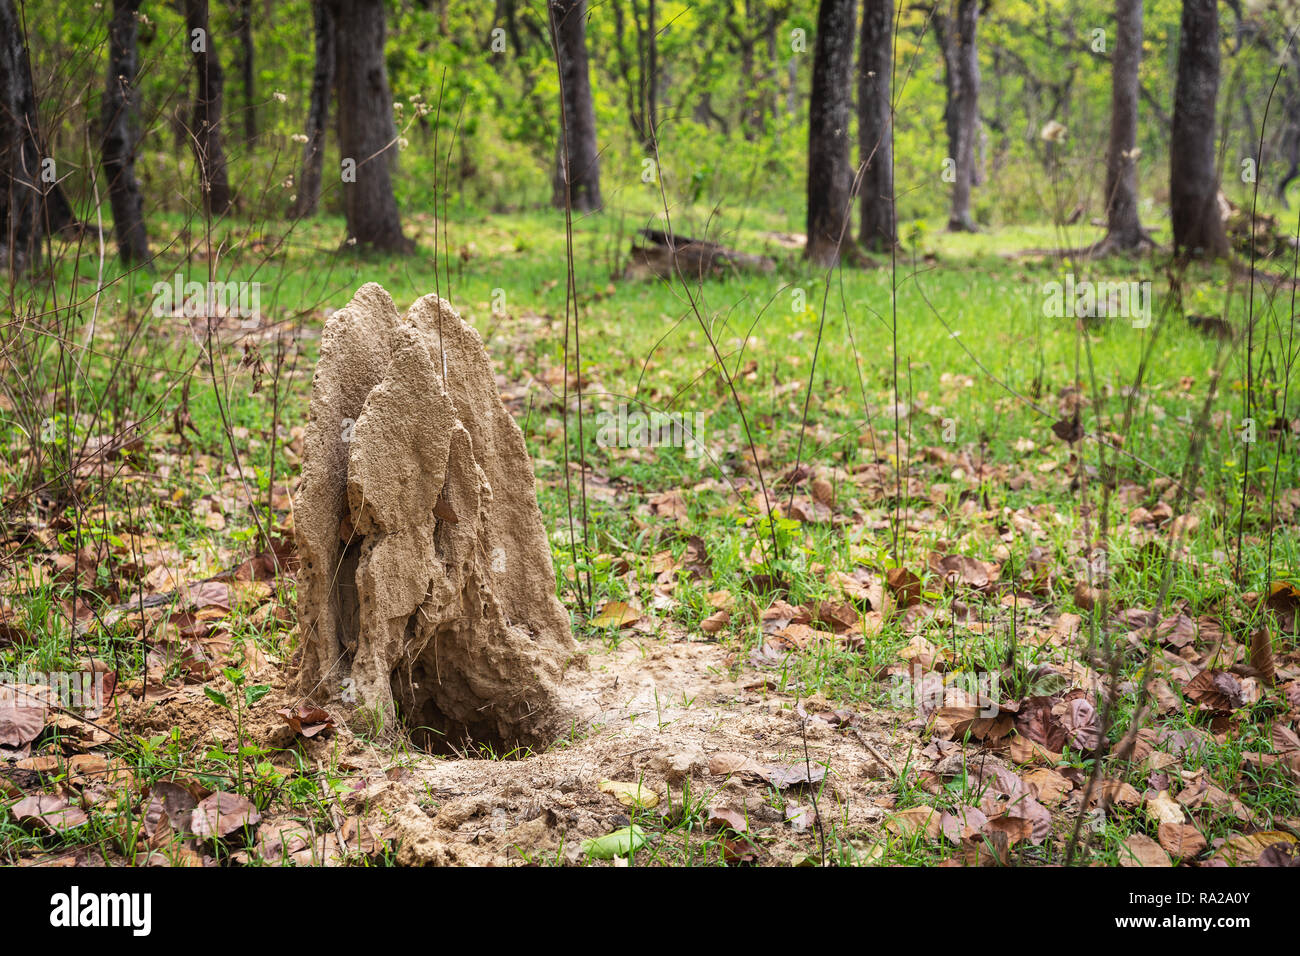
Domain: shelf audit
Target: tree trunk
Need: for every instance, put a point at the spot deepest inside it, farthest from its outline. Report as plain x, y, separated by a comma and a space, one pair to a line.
32, 203
750, 117
120, 115
875, 128
961, 114
830, 174
244, 30
322, 87
20, 156
205, 127
651, 76
1123, 227
1193, 180
577, 170
367, 134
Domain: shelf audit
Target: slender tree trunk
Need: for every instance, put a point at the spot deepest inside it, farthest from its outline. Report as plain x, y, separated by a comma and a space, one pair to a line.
750, 111
244, 30
20, 156
962, 111
830, 174
651, 76
875, 127
1291, 143
322, 87
205, 127
577, 172
32, 203
120, 117
367, 134
1123, 227
1193, 179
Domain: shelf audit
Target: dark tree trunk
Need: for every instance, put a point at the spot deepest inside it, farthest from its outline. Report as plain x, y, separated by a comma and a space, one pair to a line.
961, 113
1292, 145
367, 134
742, 32
875, 133
577, 172
31, 206
20, 156
322, 87
205, 126
120, 115
830, 175
244, 31
1193, 179
1123, 227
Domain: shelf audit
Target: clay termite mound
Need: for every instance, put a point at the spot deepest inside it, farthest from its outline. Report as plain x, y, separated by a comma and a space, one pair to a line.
426, 586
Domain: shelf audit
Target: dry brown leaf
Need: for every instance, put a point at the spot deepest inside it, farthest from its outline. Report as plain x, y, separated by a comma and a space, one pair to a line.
617, 614
22, 714
221, 814
962, 823
1181, 839
715, 622
904, 585
725, 819
1140, 850
1215, 690
306, 719
1014, 827
1051, 787
724, 762
1025, 751
923, 820
50, 812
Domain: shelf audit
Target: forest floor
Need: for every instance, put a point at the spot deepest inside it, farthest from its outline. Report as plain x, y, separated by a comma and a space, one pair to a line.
899, 605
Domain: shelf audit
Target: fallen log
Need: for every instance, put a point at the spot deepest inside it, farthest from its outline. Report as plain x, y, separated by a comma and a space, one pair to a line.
668, 256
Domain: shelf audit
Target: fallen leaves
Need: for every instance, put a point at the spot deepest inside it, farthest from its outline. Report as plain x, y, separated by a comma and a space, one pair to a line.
617, 615
924, 821
1245, 849
50, 812
222, 814
1215, 690
904, 585
960, 570
725, 763
1165, 810
633, 795
723, 818
1181, 840
307, 719
1140, 850
21, 720
716, 622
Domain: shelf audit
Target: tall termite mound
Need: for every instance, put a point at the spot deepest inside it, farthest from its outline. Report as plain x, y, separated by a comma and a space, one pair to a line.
426, 579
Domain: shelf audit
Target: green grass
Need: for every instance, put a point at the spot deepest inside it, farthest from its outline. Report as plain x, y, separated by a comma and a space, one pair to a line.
973, 354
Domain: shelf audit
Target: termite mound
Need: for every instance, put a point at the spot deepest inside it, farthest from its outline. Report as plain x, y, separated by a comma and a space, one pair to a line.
426, 586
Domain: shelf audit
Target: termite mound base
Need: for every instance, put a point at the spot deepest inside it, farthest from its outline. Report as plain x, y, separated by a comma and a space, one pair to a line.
426, 588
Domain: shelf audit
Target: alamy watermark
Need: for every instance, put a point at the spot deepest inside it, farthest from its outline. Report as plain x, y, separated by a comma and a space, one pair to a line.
70, 690
637, 429
927, 691
209, 300
1085, 299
